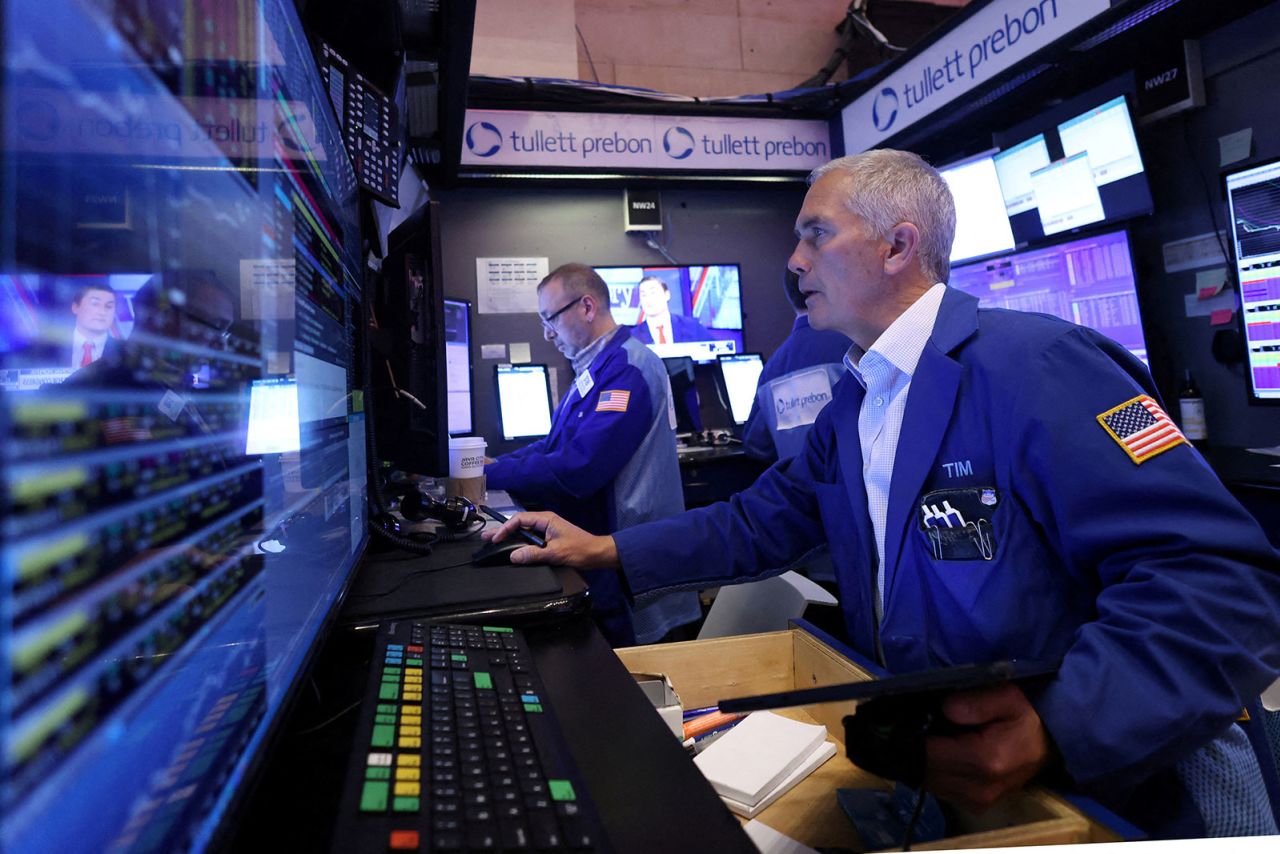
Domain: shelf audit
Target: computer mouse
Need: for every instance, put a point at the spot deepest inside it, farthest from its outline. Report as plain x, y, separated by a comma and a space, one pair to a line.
496, 554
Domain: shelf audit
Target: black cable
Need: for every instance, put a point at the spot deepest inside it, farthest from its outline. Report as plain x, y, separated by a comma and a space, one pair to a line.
1208, 197
915, 816
373, 461
587, 50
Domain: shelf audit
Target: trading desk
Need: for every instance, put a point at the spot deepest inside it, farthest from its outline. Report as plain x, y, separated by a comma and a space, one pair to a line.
713, 473
649, 795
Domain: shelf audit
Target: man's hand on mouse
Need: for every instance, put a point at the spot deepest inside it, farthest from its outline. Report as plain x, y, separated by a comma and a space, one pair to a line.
1006, 747
567, 544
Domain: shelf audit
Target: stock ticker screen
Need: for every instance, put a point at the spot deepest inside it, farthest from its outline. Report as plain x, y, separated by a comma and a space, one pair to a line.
179, 249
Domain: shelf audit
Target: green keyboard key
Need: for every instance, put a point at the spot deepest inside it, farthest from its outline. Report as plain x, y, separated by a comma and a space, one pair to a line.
413, 662
373, 797
533, 707
384, 735
483, 680
384, 719
561, 790
404, 805
387, 708
496, 629
458, 657
375, 772
389, 691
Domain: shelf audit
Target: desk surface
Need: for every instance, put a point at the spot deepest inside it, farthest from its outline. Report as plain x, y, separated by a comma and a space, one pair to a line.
649, 795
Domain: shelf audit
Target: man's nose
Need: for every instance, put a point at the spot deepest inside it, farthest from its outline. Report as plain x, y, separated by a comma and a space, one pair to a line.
548, 333
797, 263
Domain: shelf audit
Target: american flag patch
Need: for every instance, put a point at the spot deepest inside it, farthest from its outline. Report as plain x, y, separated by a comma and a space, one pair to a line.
1142, 428
613, 401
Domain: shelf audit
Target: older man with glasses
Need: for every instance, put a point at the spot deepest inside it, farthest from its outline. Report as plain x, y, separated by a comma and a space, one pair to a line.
609, 461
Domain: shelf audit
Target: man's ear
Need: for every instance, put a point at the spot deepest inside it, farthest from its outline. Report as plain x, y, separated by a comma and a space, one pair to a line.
904, 245
589, 302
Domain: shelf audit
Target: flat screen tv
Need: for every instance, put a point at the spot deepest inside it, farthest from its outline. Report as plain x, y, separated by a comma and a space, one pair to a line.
693, 311
982, 223
1089, 281
1253, 202
1075, 165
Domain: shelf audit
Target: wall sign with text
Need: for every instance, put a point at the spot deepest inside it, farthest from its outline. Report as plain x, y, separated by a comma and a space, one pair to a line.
527, 139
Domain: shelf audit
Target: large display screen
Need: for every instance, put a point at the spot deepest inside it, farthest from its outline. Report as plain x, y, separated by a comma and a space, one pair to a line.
693, 311
457, 359
1253, 201
1075, 165
741, 373
1089, 281
982, 224
184, 439
524, 400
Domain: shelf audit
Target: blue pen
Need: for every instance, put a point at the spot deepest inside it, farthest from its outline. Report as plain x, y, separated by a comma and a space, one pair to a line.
693, 713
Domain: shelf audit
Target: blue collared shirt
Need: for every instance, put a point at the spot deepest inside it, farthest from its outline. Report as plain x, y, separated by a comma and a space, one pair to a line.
885, 372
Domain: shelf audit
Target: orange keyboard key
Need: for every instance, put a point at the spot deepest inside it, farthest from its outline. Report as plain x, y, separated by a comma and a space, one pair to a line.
403, 840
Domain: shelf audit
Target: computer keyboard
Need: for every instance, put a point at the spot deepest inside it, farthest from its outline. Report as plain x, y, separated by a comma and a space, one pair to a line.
457, 749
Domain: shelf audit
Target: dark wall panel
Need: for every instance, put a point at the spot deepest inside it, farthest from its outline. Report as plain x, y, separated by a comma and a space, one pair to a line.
751, 227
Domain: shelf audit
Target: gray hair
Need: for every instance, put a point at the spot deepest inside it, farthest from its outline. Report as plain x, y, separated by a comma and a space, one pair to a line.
890, 187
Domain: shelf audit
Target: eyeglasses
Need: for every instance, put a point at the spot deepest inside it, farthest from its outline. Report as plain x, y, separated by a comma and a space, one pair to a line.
550, 318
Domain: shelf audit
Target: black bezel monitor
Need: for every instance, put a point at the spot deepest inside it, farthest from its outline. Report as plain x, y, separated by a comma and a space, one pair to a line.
739, 400
1253, 207
704, 302
1087, 279
173, 588
457, 358
523, 413
1083, 157
982, 222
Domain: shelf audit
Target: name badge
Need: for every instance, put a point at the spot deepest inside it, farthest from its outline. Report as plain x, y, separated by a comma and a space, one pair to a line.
584, 382
799, 397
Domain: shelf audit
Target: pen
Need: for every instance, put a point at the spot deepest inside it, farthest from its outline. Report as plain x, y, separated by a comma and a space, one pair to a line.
525, 534
693, 713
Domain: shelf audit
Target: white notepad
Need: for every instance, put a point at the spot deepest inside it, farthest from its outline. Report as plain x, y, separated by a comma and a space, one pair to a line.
750, 760
821, 754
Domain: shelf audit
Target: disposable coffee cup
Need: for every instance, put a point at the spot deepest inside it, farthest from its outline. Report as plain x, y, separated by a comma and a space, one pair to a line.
466, 468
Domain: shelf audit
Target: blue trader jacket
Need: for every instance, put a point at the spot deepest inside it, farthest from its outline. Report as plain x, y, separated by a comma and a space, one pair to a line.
1157, 589
805, 347
608, 463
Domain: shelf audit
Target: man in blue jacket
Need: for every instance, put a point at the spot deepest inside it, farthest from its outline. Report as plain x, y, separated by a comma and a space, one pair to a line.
998, 485
795, 385
609, 461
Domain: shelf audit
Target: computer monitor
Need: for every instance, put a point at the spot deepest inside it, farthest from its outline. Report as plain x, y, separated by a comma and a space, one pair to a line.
1253, 202
684, 393
741, 373
457, 358
1075, 165
693, 311
167, 575
982, 224
524, 400
1089, 281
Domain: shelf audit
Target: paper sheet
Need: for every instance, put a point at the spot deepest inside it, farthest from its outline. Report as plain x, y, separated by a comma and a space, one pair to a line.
1209, 283
519, 352
1234, 146
509, 285
770, 841
493, 351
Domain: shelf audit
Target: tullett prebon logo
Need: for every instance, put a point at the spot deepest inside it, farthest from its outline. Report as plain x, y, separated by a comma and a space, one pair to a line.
483, 139
884, 112
677, 143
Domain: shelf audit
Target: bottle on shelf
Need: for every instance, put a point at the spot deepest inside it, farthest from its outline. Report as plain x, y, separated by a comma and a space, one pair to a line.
1191, 409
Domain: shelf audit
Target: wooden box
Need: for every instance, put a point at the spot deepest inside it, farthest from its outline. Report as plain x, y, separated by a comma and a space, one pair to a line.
704, 672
